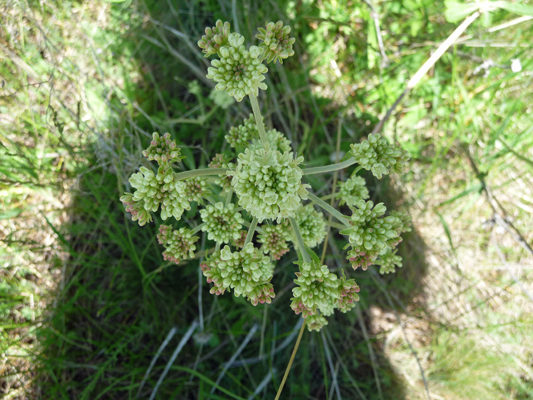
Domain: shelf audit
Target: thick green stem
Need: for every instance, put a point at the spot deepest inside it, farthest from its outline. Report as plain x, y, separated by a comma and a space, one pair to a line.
329, 168
300, 240
321, 203
200, 172
259, 121
251, 232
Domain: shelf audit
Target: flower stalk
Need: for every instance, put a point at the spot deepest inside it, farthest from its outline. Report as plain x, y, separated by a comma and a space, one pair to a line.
259, 121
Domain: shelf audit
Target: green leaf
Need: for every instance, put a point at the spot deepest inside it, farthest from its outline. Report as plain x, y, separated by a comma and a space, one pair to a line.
456, 11
474, 189
447, 231
519, 9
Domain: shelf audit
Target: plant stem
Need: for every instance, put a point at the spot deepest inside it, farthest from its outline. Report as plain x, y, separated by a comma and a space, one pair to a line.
335, 225
291, 360
200, 172
300, 240
321, 203
229, 196
259, 121
197, 229
329, 168
251, 232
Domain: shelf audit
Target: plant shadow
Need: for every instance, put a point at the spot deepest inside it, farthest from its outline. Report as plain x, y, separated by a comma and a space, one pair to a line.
122, 307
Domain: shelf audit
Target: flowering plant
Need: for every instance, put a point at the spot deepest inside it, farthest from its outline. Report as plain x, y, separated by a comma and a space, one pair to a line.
260, 187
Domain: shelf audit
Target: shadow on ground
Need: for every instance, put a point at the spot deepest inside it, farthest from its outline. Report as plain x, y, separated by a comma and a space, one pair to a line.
120, 300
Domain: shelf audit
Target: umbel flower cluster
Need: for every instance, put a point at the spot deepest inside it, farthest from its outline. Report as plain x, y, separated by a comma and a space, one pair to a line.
254, 204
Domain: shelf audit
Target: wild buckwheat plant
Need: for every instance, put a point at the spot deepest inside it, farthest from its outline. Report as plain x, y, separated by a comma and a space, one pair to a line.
260, 188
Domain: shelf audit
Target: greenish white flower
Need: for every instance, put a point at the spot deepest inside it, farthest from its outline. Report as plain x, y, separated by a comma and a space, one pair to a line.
222, 223
160, 189
239, 243
196, 189
312, 226
274, 240
247, 272
276, 139
215, 38
239, 136
163, 149
317, 288
268, 184
315, 322
348, 294
136, 208
222, 161
221, 99
378, 156
404, 220
277, 43
194, 88
370, 232
238, 71
179, 244
352, 191
388, 261
262, 293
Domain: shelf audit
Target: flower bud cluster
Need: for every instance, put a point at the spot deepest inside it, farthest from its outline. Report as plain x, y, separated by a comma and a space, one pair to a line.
315, 322
222, 161
215, 38
276, 139
179, 244
238, 71
162, 149
268, 184
136, 208
261, 293
352, 191
247, 272
239, 136
378, 156
274, 240
239, 243
348, 294
404, 220
370, 232
222, 223
388, 261
277, 44
196, 189
312, 226
154, 190
317, 289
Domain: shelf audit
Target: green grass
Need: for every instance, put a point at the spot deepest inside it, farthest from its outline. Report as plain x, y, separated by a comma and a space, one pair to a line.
87, 300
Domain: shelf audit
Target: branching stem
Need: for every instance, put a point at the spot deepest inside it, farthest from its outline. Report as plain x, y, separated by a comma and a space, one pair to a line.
259, 121
321, 203
329, 168
200, 172
300, 240
251, 232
